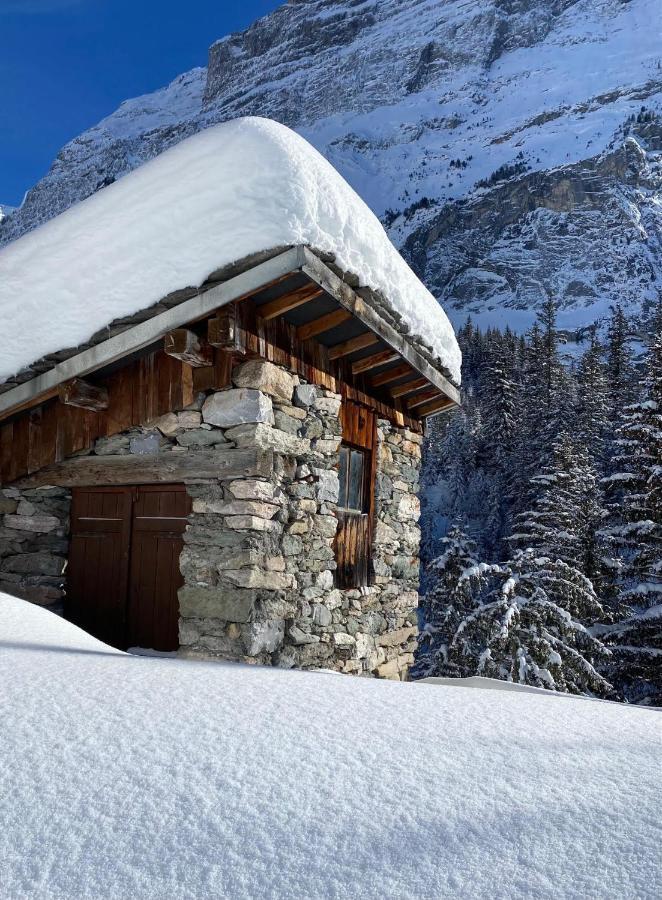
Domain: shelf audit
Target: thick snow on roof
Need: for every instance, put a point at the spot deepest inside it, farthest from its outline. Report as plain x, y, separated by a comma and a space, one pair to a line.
232, 190
124, 776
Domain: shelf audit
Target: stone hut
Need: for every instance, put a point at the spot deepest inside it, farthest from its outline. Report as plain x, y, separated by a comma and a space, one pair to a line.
211, 426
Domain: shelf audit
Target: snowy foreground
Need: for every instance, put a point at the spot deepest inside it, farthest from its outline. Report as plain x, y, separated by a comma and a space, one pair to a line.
125, 776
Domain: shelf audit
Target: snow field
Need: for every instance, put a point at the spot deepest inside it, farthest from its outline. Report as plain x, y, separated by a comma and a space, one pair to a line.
126, 776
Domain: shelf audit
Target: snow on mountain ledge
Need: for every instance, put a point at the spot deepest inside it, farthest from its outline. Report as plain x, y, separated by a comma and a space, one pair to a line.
124, 776
230, 191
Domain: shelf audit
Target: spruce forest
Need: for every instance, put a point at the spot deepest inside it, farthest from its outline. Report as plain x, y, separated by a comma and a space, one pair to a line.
542, 515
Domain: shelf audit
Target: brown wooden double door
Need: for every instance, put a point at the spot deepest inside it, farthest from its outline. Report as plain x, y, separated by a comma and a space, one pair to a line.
123, 572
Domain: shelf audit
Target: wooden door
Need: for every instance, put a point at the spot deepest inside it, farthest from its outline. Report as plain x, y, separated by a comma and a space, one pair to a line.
159, 520
123, 572
97, 571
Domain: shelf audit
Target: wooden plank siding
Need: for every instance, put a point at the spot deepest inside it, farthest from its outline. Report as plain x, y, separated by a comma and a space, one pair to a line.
156, 383
137, 393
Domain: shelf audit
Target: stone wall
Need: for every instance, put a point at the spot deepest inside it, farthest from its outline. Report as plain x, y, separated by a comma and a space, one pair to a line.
258, 560
34, 543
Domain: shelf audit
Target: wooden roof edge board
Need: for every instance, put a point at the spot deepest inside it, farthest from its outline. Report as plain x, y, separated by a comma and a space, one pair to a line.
348, 298
145, 333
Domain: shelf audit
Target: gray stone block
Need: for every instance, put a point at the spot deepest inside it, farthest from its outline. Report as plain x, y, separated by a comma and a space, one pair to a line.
238, 406
263, 637
217, 603
266, 377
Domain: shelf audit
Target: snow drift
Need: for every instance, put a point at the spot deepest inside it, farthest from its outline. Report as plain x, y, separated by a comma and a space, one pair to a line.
127, 776
230, 191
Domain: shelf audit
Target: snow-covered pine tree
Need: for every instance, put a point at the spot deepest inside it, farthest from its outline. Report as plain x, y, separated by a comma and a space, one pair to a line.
564, 515
520, 621
454, 579
592, 414
634, 533
619, 364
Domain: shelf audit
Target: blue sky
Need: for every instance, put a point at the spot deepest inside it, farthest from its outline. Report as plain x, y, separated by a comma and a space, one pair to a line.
65, 64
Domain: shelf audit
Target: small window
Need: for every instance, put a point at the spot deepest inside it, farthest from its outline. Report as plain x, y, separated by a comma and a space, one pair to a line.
352, 477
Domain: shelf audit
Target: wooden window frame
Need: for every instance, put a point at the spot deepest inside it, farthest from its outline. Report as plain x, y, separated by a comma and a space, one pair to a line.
353, 546
365, 481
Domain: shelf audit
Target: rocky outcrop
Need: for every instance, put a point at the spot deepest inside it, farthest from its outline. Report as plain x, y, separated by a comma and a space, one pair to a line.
489, 137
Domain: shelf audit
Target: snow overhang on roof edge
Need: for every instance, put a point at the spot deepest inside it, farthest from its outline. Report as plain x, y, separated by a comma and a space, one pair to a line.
223, 195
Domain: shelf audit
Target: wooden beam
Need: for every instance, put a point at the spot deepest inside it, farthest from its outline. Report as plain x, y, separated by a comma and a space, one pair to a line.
371, 362
84, 395
352, 345
391, 374
401, 389
142, 335
348, 298
225, 332
424, 397
186, 346
323, 323
281, 305
154, 469
436, 406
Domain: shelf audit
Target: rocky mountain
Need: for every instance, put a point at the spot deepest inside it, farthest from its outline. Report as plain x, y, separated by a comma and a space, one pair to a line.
512, 148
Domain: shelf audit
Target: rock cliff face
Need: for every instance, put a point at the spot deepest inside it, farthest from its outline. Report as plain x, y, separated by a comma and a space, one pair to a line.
511, 147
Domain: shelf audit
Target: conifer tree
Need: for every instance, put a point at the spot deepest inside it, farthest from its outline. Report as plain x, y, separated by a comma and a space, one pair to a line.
447, 603
633, 531
593, 402
564, 516
619, 365
520, 621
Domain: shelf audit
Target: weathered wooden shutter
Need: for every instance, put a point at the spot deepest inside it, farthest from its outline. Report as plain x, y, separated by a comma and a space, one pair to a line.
159, 520
353, 542
98, 565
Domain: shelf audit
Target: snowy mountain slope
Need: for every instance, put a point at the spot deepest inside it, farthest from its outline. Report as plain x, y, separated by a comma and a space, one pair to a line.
418, 102
124, 776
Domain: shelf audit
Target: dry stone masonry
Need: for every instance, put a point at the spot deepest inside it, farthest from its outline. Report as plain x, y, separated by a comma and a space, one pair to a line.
34, 543
258, 560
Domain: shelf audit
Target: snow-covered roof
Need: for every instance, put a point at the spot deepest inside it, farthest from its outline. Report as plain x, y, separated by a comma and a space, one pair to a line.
233, 190
128, 776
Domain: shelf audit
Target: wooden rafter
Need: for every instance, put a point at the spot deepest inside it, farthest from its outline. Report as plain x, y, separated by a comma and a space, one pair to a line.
371, 318
352, 345
371, 362
281, 305
391, 374
322, 324
408, 387
424, 397
435, 406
